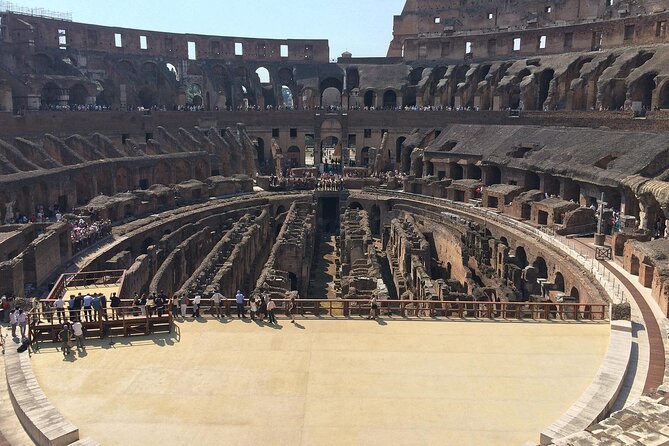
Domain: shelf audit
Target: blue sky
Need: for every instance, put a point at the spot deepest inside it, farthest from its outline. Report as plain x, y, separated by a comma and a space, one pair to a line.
363, 27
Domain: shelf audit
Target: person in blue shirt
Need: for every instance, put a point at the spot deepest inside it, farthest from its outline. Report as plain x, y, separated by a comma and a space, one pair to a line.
239, 299
95, 303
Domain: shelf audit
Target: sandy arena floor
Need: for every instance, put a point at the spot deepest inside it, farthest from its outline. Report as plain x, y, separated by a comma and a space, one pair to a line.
328, 382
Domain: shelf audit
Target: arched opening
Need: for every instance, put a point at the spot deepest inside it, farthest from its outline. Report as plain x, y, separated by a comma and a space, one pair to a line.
149, 72
493, 176
148, 242
634, 265
542, 269
532, 181
617, 94
78, 95
172, 69
398, 148
331, 92
287, 96
355, 205
42, 64
328, 149
161, 174
127, 67
559, 282
51, 94
106, 93
544, 86
352, 78
474, 172
375, 220
83, 189
520, 257
416, 75
259, 144
263, 75
123, 180
514, 98
182, 171
369, 99
389, 100
664, 96
643, 91
194, 95
147, 97
294, 156
280, 210
364, 157
293, 281
457, 172
575, 294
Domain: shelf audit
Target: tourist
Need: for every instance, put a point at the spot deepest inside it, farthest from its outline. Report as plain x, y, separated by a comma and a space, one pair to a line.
115, 304
59, 305
136, 309
21, 319
239, 300
270, 310
65, 336
70, 306
184, 305
142, 305
175, 305
78, 302
373, 307
292, 307
196, 305
151, 304
95, 303
13, 321
78, 331
262, 307
160, 303
253, 304
216, 304
5, 309
87, 307
103, 305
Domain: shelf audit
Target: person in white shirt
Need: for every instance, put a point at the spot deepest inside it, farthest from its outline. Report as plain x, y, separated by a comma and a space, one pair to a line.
196, 305
22, 319
216, 306
78, 334
59, 305
12, 322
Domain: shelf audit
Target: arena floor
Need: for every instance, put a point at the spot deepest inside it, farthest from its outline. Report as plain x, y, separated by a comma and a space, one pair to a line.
327, 382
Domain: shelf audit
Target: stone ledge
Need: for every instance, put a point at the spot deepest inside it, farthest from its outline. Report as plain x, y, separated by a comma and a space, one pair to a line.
41, 420
598, 399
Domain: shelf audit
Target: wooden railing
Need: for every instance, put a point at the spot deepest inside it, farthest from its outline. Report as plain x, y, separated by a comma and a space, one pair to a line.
85, 279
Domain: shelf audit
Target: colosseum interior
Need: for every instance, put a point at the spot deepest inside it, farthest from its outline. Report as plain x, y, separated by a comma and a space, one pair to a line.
493, 193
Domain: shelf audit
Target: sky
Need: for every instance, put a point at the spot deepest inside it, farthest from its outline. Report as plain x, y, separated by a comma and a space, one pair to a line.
363, 27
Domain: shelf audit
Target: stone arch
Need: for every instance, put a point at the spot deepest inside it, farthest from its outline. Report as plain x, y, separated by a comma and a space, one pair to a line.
263, 74
545, 79
352, 78
149, 71
78, 95
398, 148
634, 265
327, 91
532, 180
294, 156
83, 189
355, 205
172, 69
42, 63
106, 94
663, 97
105, 182
389, 99
194, 69
162, 174
375, 220
416, 75
642, 89
280, 210
146, 244
127, 66
559, 282
364, 157
51, 94
575, 294
542, 269
201, 169
182, 171
520, 257
369, 99
124, 180
147, 96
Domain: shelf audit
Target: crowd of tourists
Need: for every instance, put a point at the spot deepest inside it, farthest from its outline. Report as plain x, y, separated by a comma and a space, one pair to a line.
84, 233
